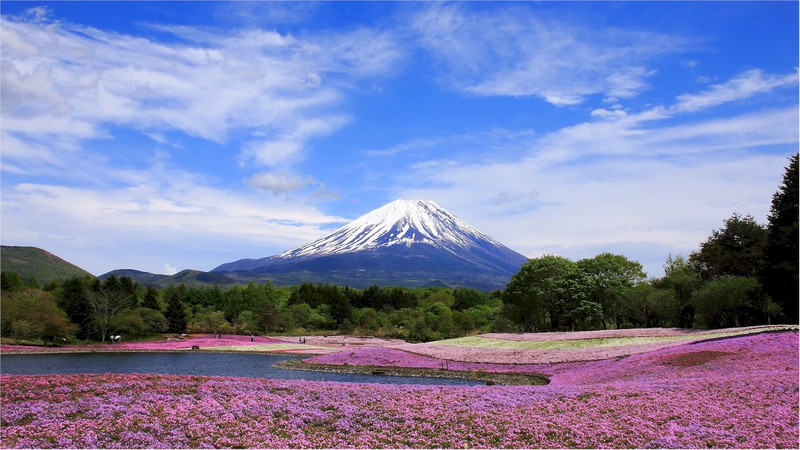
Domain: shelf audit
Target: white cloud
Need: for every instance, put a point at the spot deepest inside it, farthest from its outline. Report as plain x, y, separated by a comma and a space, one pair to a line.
512, 52
415, 144
169, 269
632, 183
68, 82
605, 113
156, 208
744, 86
279, 183
63, 84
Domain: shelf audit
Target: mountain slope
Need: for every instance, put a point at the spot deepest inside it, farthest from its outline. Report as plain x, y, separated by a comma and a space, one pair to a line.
407, 242
33, 261
189, 277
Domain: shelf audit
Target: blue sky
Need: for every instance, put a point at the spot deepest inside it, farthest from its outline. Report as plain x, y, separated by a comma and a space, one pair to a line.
161, 136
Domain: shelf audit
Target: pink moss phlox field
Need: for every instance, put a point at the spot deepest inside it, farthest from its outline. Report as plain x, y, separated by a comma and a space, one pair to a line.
753, 352
737, 392
350, 340
604, 334
631, 342
529, 356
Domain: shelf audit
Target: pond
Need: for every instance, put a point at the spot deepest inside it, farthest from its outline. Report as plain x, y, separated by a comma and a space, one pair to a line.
215, 364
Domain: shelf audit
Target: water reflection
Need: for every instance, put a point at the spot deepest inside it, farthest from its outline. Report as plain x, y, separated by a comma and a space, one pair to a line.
217, 364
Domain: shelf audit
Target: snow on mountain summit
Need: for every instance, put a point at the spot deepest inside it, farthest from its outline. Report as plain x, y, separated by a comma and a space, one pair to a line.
402, 222
405, 243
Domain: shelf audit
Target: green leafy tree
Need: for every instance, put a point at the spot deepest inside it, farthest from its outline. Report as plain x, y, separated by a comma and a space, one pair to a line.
606, 277
439, 318
735, 250
105, 305
265, 315
154, 320
369, 320
682, 280
646, 306
53, 286
244, 323
780, 273
728, 302
541, 290
32, 282
34, 314
214, 321
587, 315
502, 324
484, 315
465, 298
285, 321
129, 323
346, 327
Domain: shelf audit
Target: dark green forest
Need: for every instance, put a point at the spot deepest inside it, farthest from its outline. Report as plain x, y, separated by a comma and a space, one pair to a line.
744, 273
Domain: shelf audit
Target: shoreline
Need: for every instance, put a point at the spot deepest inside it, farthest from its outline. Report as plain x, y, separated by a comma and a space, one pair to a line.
491, 378
135, 350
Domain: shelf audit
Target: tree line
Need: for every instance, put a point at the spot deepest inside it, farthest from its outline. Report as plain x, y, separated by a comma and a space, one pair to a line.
86, 308
744, 274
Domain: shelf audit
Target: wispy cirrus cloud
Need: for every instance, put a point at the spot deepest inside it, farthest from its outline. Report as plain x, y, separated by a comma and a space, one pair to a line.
280, 183
513, 52
161, 207
65, 86
70, 82
642, 184
744, 86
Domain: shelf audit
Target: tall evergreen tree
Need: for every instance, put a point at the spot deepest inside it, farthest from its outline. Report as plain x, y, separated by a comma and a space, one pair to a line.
151, 299
175, 314
735, 250
11, 281
72, 300
780, 274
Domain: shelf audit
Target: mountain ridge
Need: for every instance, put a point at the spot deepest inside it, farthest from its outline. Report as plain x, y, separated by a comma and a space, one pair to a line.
36, 262
405, 240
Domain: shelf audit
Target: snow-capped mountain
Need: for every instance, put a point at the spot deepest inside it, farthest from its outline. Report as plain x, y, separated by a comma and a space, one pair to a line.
406, 239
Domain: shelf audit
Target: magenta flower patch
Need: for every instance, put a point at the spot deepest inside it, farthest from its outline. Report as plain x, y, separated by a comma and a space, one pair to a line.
740, 392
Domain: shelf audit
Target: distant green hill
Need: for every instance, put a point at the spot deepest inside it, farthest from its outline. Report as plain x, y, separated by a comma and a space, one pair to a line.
191, 278
196, 278
143, 278
35, 262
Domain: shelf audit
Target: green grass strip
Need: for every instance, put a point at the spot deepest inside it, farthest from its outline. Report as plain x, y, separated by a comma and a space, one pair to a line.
575, 344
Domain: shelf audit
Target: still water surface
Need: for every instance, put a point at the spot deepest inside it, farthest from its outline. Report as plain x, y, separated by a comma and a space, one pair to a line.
217, 364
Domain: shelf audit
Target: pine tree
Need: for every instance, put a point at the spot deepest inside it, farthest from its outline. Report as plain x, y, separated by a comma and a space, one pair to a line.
72, 300
735, 250
780, 274
151, 299
175, 314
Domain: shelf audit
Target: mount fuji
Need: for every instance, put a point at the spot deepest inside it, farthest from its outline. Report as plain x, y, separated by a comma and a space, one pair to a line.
410, 243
